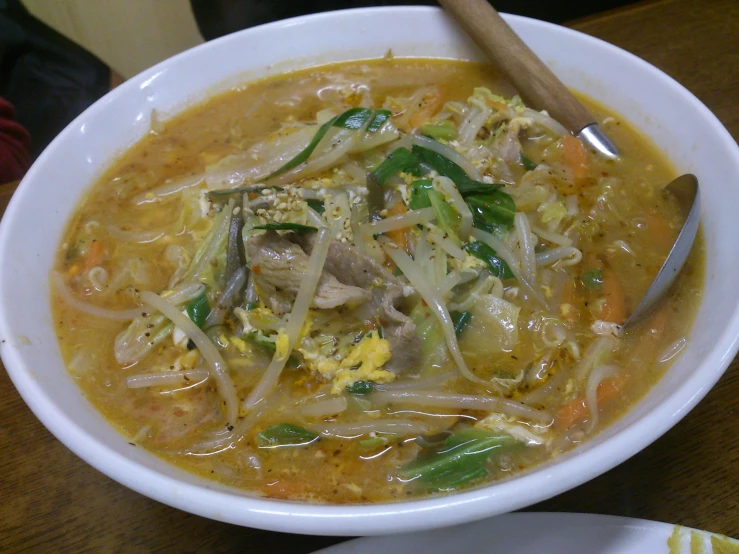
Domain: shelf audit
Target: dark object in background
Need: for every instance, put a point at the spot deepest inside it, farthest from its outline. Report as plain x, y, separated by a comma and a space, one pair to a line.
48, 78
220, 17
15, 145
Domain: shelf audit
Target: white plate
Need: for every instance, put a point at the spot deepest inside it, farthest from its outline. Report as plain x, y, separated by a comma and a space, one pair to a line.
539, 533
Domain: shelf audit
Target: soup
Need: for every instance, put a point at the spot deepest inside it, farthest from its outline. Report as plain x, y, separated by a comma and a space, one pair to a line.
369, 281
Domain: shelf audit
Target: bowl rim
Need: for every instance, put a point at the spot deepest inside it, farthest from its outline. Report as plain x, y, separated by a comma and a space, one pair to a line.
378, 518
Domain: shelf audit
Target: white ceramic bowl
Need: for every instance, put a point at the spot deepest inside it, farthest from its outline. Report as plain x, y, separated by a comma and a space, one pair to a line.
29, 235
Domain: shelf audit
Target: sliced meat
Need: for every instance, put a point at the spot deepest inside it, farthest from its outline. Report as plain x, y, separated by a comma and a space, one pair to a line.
278, 266
353, 268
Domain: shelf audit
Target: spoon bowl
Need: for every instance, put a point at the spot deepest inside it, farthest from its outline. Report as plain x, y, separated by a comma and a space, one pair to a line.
685, 189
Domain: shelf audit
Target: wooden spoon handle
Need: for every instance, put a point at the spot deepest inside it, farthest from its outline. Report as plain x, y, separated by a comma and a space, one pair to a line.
538, 85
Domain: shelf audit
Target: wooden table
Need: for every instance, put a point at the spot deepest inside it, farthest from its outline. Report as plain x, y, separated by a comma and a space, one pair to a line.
51, 501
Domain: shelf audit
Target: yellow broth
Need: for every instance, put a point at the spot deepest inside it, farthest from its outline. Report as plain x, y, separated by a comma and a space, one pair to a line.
635, 227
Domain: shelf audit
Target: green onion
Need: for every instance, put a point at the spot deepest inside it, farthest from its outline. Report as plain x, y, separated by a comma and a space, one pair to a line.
198, 309
593, 280
316, 205
258, 339
420, 194
461, 320
447, 218
493, 211
444, 166
526, 162
443, 130
483, 252
285, 434
400, 159
461, 459
354, 118
361, 387
285, 226
381, 116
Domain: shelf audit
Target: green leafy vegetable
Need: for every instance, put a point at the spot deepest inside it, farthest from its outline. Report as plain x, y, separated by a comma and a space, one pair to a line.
444, 130
285, 434
482, 251
381, 116
198, 309
258, 339
461, 459
420, 194
444, 166
285, 226
526, 162
400, 159
361, 387
447, 218
493, 211
354, 118
461, 320
316, 205
593, 280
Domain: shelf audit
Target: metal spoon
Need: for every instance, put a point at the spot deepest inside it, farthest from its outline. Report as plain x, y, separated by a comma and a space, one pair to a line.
685, 189
543, 90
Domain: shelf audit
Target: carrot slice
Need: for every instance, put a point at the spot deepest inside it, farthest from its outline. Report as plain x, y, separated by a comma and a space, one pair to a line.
614, 310
429, 106
660, 230
575, 158
577, 410
94, 254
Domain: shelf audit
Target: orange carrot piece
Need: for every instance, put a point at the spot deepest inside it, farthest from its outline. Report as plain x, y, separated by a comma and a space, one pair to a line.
399, 236
94, 254
500, 106
431, 104
660, 231
614, 310
577, 410
575, 158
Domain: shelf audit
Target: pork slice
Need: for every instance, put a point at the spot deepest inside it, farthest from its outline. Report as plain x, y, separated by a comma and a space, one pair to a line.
353, 268
278, 267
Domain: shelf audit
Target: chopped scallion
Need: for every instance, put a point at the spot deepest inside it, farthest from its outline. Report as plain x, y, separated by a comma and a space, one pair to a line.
443, 130
461, 320
285, 434
361, 387
444, 166
354, 118
527, 163
285, 226
593, 280
198, 309
400, 159
483, 252
420, 194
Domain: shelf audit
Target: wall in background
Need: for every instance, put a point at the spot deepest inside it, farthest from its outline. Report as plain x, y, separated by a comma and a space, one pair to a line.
129, 35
